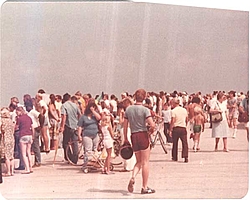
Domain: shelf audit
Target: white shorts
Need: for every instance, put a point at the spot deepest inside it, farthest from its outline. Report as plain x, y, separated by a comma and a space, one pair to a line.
108, 143
246, 125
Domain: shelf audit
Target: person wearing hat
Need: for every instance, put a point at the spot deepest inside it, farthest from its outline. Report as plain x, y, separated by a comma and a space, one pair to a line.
8, 141
179, 119
138, 116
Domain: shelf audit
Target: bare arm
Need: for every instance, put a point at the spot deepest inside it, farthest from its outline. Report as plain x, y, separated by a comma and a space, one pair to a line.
96, 114
63, 123
125, 130
172, 125
52, 113
79, 132
111, 131
151, 123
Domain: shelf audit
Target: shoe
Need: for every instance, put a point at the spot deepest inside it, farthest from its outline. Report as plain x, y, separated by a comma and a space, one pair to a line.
191, 136
147, 191
36, 165
186, 160
131, 185
225, 150
20, 168
174, 159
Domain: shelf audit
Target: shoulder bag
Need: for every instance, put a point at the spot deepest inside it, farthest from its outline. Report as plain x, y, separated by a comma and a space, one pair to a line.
216, 117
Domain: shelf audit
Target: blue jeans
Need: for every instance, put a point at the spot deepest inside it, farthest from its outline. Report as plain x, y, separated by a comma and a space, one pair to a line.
36, 148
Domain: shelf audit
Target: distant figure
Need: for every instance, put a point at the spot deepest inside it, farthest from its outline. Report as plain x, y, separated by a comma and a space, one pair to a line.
220, 129
70, 114
199, 122
7, 133
24, 124
108, 137
166, 113
178, 130
244, 108
233, 112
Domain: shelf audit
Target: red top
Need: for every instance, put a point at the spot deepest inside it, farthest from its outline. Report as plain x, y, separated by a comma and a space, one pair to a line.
24, 123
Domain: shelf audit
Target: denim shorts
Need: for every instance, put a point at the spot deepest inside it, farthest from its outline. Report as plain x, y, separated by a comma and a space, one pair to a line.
27, 139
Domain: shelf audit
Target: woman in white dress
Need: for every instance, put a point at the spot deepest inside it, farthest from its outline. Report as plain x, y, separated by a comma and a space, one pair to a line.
220, 129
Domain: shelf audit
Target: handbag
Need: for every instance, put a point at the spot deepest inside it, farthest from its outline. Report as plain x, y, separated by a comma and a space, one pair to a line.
216, 117
243, 117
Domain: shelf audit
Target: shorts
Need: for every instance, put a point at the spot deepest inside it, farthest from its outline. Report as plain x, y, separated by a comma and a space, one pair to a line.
27, 139
140, 141
197, 128
108, 143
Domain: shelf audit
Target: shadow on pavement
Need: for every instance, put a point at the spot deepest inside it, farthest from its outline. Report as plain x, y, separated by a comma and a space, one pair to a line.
123, 192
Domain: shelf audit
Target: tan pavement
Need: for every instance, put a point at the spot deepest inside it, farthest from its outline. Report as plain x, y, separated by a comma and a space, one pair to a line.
208, 174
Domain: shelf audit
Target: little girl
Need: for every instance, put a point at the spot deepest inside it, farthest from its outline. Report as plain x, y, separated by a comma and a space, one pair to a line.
107, 139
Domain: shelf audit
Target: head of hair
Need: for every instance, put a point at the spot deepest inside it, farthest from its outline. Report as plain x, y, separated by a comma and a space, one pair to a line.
90, 104
59, 97
5, 112
196, 100
66, 97
220, 95
12, 106
140, 95
73, 98
20, 108
232, 92
41, 91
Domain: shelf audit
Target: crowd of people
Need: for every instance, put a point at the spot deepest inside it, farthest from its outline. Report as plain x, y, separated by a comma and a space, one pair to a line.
34, 125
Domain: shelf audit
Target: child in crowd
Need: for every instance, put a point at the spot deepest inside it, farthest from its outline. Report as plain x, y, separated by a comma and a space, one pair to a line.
198, 128
166, 113
108, 137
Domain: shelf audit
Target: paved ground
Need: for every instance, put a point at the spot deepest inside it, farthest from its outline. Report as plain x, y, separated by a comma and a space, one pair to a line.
208, 174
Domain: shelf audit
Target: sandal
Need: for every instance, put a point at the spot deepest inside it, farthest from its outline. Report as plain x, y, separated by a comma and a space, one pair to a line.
6, 175
147, 191
25, 172
131, 185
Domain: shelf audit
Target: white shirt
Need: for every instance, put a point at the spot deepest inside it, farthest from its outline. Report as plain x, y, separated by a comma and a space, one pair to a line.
180, 114
113, 103
34, 114
166, 115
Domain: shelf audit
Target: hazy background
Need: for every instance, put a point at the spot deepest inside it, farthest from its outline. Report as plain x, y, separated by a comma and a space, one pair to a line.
120, 46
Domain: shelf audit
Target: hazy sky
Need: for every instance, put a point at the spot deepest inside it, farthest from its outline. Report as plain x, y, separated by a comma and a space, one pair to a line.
117, 47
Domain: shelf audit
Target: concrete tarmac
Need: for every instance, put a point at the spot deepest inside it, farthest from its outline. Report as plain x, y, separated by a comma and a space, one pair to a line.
208, 174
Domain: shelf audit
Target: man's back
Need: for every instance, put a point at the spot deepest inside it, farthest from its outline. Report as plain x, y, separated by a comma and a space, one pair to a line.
71, 111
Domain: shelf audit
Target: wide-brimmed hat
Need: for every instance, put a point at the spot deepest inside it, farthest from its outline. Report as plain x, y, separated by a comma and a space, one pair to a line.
126, 151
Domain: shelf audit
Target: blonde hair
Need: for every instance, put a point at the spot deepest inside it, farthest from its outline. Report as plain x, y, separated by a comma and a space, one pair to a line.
106, 120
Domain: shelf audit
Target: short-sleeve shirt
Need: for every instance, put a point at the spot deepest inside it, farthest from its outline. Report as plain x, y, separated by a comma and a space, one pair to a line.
245, 104
137, 115
180, 114
34, 115
90, 126
24, 123
71, 111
